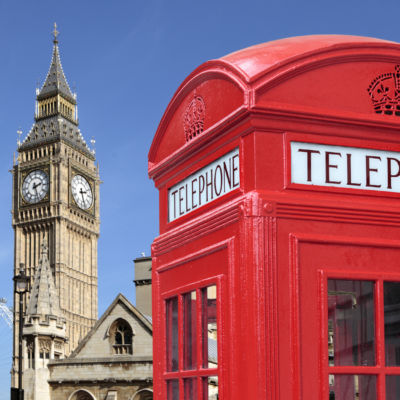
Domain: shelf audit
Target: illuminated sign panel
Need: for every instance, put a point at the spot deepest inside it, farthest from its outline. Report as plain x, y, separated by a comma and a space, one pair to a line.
207, 184
347, 167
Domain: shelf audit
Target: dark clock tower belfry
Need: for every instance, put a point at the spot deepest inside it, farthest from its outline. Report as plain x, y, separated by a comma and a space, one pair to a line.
56, 201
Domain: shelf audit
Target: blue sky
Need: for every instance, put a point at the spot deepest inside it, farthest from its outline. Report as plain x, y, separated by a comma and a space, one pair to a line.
126, 59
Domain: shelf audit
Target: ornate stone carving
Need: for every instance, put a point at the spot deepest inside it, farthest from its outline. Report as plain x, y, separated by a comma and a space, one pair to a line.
58, 345
44, 345
30, 345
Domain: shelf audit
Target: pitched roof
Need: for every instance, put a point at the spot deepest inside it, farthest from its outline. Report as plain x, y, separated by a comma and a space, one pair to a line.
122, 300
56, 128
44, 299
56, 82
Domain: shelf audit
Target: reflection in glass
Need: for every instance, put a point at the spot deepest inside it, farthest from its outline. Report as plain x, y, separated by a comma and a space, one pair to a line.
172, 334
352, 387
210, 388
351, 324
173, 389
189, 333
190, 387
392, 322
209, 327
393, 387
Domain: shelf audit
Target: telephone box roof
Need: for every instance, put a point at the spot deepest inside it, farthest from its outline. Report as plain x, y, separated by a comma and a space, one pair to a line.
277, 72
254, 60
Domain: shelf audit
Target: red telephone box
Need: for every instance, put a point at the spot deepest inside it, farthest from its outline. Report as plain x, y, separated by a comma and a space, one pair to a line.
276, 274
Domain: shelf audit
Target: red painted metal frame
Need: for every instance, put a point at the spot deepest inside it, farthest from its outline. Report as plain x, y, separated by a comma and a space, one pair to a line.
272, 291
199, 371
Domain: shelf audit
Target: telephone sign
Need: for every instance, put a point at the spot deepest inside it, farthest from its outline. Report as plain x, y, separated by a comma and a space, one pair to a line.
347, 167
214, 180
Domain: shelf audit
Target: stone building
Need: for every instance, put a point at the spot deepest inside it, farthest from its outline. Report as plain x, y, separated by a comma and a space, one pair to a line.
143, 284
115, 359
67, 355
55, 199
113, 362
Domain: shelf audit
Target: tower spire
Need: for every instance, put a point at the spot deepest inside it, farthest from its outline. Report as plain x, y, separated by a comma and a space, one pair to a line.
56, 111
44, 300
56, 82
55, 33
44, 329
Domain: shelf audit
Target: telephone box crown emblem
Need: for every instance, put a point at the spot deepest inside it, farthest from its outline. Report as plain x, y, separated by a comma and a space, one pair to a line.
194, 118
385, 92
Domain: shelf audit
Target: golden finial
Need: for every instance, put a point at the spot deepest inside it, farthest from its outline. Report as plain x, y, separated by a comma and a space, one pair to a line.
19, 133
55, 33
93, 142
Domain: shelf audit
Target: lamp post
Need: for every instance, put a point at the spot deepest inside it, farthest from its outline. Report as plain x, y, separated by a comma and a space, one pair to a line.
21, 286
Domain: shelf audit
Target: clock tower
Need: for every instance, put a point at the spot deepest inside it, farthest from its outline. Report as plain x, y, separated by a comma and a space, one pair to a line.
56, 201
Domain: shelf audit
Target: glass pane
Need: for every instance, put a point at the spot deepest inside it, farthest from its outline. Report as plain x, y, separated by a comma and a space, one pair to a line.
352, 387
190, 386
209, 321
393, 387
351, 323
189, 330
210, 388
392, 322
173, 389
172, 334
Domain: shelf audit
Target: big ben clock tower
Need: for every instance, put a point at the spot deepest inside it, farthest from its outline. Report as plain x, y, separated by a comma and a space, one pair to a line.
56, 202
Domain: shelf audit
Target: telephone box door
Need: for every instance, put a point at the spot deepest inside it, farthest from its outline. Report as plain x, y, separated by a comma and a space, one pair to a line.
354, 326
191, 291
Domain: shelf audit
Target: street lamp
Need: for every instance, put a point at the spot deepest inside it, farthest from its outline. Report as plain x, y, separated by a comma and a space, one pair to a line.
21, 286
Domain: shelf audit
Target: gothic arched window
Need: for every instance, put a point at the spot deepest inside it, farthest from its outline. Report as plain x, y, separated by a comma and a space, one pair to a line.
121, 337
143, 394
82, 395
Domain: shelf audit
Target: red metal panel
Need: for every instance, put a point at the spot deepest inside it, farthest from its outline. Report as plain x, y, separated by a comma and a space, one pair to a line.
210, 266
318, 258
221, 97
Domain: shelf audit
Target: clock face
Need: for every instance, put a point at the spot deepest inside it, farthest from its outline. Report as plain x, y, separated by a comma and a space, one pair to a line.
35, 186
81, 192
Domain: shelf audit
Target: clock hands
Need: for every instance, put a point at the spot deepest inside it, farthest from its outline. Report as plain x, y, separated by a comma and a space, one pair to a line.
82, 193
35, 186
